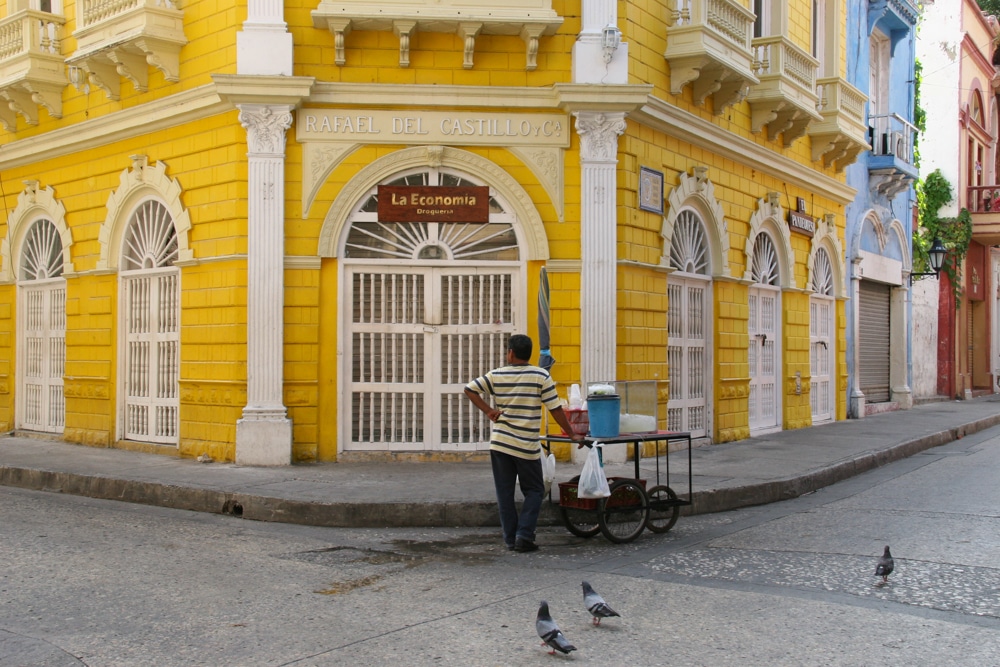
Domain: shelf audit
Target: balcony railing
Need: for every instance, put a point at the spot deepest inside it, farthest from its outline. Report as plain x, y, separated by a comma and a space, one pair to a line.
785, 100
32, 73
983, 199
708, 46
892, 135
842, 134
121, 38
983, 202
890, 168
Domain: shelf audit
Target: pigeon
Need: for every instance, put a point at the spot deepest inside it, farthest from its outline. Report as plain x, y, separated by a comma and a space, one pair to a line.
596, 605
884, 567
549, 631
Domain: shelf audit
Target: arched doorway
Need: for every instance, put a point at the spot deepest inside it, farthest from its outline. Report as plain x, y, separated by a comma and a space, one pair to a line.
41, 330
764, 329
822, 397
689, 317
427, 306
150, 326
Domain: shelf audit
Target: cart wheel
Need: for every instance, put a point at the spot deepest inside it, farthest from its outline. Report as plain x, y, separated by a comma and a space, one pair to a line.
663, 509
582, 523
623, 514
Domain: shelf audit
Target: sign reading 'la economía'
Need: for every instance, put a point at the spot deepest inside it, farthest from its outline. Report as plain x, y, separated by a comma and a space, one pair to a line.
432, 127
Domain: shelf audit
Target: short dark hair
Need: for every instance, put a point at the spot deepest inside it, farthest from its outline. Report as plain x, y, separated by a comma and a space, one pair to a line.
521, 346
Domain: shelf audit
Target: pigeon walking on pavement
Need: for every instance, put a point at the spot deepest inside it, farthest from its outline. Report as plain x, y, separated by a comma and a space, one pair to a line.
596, 605
884, 567
549, 631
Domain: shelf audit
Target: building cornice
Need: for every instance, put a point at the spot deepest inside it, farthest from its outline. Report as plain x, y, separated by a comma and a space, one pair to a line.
675, 122
171, 111
568, 97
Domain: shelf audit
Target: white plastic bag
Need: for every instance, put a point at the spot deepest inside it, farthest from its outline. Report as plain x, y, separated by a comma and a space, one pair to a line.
548, 471
593, 483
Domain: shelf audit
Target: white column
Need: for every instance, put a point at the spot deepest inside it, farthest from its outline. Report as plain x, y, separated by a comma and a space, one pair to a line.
856, 401
264, 45
264, 434
599, 134
589, 62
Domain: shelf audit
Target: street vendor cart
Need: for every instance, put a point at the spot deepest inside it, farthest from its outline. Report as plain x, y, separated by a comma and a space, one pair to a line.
631, 507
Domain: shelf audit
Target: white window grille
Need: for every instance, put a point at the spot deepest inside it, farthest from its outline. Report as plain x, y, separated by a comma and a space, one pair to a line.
151, 323
42, 329
432, 307
764, 333
689, 328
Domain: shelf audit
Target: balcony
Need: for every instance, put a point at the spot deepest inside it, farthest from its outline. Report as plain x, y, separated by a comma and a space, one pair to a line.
842, 135
890, 168
32, 73
530, 19
708, 46
785, 100
983, 202
122, 38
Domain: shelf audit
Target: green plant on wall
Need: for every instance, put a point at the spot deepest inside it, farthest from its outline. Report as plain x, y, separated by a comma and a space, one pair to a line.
933, 193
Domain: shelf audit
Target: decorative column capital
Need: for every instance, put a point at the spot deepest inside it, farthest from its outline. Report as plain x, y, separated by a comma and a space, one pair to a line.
599, 134
266, 127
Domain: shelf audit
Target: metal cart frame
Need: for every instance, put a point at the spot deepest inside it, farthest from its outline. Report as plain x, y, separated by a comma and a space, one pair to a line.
622, 516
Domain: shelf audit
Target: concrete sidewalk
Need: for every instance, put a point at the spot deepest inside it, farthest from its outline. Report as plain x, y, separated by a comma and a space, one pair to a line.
749, 472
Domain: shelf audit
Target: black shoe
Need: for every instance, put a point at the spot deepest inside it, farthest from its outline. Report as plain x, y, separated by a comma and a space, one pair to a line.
524, 546
510, 547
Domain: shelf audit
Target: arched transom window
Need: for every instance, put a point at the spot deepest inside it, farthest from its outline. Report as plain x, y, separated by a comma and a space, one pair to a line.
689, 247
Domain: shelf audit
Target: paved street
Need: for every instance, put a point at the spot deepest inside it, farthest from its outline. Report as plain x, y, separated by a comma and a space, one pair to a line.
108, 583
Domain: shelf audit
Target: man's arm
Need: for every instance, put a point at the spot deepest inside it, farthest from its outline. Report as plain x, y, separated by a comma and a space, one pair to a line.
477, 400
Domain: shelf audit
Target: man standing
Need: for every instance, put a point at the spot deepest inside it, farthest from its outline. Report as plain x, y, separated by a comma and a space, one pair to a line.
519, 391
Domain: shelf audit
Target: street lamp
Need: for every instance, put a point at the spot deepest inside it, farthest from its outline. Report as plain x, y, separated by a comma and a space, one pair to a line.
611, 39
936, 258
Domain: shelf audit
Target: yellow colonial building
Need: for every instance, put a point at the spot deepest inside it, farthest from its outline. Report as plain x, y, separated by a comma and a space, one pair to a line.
277, 232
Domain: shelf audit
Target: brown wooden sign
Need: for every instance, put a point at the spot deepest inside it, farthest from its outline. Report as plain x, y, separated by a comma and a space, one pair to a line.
801, 223
404, 203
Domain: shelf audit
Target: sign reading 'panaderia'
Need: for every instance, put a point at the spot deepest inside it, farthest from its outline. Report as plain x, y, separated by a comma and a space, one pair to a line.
402, 203
801, 223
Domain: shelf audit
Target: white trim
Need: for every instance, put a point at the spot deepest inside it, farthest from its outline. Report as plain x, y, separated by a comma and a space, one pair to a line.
701, 133
530, 230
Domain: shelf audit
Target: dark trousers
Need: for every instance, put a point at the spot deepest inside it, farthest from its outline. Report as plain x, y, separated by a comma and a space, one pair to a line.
507, 470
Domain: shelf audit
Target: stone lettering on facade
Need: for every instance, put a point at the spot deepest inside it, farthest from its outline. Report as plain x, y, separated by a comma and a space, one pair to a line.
449, 127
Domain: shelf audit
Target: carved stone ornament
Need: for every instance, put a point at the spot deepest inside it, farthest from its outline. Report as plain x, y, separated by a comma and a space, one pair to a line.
266, 127
599, 134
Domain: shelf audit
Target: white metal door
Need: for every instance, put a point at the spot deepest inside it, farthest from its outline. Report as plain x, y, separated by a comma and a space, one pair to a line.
763, 358
417, 336
43, 355
152, 355
821, 358
687, 355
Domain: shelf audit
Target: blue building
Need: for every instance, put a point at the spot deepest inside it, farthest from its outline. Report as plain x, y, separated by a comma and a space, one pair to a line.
881, 51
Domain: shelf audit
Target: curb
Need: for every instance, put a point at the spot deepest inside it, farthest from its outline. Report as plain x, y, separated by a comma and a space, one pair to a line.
443, 514
721, 500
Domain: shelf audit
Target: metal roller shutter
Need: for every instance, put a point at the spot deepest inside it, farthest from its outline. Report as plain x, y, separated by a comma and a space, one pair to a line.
873, 346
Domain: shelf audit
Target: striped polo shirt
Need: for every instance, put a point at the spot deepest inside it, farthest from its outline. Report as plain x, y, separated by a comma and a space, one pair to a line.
519, 392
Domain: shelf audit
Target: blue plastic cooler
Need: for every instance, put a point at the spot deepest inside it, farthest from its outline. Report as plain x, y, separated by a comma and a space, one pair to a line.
604, 410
